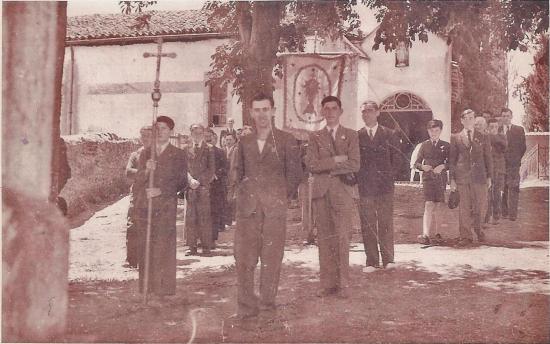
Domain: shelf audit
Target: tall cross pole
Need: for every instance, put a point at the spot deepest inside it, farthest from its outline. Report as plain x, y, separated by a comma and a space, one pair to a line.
155, 95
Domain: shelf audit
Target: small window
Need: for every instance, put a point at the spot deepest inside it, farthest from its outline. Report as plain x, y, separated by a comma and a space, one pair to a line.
217, 109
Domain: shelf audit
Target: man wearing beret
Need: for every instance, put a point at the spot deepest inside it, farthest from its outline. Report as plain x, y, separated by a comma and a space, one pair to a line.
333, 158
202, 166
379, 154
170, 177
268, 171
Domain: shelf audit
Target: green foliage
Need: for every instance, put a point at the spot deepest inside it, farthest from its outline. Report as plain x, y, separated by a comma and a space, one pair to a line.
533, 91
263, 28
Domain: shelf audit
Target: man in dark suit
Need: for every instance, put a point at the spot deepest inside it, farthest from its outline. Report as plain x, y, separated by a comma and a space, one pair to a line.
332, 156
269, 170
498, 149
202, 164
170, 177
228, 131
380, 161
218, 185
470, 167
515, 137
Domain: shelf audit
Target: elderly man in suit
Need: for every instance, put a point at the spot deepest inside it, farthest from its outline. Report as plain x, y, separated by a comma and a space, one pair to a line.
202, 165
380, 162
218, 185
170, 177
333, 158
227, 131
268, 173
515, 137
470, 167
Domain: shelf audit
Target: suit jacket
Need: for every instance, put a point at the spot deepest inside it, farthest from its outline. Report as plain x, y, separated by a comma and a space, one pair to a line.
226, 132
379, 159
320, 160
201, 163
470, 163
221, 165
499, 145
267, 179
231, 156
516, 146
433, 156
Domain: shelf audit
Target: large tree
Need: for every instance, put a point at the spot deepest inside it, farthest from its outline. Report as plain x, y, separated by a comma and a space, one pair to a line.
263, 28
533, 90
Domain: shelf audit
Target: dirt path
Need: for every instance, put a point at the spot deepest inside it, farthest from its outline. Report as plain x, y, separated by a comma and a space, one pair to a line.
498, 292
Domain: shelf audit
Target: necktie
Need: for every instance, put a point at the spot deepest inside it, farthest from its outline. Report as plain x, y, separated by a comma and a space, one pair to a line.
331, 132
371, 135
469, 137
434, 143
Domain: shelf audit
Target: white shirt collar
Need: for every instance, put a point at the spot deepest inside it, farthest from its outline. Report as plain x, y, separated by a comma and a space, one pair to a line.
335, 129
373, 129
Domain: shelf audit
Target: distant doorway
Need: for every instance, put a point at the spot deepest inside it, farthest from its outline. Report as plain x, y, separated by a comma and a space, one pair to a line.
408, 115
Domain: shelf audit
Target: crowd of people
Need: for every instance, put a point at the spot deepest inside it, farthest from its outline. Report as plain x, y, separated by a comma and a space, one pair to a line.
249, 180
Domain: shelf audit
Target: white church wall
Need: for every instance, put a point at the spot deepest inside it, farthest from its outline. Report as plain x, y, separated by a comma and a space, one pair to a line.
427, 76
113, 84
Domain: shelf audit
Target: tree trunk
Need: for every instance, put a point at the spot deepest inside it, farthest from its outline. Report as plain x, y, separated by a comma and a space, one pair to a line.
260, 37
36, 241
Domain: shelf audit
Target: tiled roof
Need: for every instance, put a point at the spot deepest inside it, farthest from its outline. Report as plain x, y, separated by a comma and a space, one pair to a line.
100, 26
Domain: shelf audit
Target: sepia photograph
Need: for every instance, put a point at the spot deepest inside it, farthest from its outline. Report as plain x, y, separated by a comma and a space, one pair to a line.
298, 171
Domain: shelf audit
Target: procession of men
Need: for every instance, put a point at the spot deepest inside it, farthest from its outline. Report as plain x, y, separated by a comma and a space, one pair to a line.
250, 182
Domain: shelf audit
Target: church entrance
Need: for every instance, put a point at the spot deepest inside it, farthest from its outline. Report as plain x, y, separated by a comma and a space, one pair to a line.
407, 114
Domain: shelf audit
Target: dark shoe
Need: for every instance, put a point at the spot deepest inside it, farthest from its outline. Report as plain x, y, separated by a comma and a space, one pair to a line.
191, 252
437, 240
424, 240
206, 253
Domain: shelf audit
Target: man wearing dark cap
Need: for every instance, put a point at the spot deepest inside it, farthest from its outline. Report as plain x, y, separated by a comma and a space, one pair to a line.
333, 158
470, 167
432, 159
170, 177
202, 166
379, 164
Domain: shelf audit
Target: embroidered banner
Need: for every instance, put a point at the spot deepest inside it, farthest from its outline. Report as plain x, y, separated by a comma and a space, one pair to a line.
308, 78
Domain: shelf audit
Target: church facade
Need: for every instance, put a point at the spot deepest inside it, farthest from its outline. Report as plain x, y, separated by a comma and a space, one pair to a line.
107, 80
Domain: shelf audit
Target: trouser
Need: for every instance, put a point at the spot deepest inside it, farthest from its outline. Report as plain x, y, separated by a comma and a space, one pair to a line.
494, 197
376, 214
510, 193
333, 214
217, 208
198, 221
473, 200
429, 220
258, 237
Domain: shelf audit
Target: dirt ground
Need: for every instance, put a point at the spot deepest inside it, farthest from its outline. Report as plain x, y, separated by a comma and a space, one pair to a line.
406, 304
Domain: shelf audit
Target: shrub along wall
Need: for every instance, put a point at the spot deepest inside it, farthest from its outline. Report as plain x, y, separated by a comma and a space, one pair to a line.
98, 163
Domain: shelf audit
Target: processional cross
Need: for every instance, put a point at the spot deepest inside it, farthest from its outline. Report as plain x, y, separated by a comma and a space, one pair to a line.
155, 95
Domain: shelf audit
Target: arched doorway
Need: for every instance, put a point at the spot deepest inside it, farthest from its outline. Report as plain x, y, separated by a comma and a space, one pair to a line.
407, 114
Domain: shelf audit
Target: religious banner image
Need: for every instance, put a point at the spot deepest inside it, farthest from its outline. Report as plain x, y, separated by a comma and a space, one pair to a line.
308, 79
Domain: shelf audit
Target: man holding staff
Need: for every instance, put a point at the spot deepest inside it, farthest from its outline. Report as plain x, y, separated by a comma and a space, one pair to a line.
170, 177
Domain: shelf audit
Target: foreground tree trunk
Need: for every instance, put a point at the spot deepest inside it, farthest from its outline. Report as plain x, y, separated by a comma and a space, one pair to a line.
259, 31
35, 237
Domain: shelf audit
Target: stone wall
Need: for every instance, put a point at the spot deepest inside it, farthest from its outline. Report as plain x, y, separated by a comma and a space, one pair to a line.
98, 164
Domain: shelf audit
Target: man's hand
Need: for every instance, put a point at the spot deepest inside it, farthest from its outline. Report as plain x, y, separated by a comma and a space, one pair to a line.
193, 184
426, 168
438, 169
152, 192
150, 165
489, 183
453, 185
340, 158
